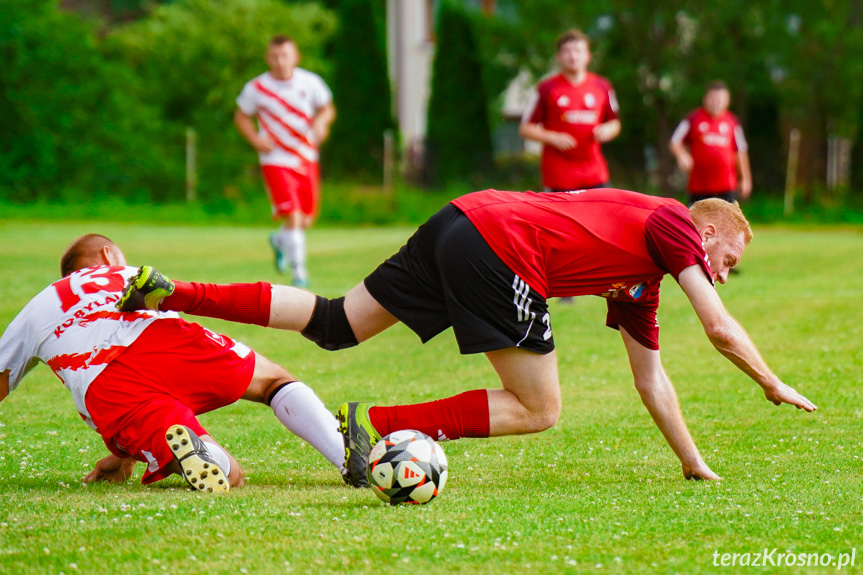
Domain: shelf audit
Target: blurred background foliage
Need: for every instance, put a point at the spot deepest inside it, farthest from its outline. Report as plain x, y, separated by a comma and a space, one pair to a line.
96, 95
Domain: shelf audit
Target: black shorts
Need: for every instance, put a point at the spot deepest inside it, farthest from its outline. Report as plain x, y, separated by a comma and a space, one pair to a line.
447, 275
729, 197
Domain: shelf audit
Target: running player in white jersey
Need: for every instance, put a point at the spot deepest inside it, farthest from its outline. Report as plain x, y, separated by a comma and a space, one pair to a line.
140, 378
294, 109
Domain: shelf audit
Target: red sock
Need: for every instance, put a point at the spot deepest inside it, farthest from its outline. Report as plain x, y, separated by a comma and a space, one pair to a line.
463, 415
242, 303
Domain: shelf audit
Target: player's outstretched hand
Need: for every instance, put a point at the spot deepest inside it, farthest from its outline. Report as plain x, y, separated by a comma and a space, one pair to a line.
786, 394
111, 468
699, 472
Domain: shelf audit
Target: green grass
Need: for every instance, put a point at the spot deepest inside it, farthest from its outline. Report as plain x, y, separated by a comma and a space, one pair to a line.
600, 492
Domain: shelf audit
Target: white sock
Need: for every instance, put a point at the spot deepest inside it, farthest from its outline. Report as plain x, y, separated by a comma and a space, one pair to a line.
285, 239
304, 414
298, 253
220, 456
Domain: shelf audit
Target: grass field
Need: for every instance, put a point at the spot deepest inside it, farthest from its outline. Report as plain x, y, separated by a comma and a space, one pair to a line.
600, 492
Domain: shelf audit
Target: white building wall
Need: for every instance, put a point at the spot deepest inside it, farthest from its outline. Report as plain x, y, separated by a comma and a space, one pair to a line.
411, 49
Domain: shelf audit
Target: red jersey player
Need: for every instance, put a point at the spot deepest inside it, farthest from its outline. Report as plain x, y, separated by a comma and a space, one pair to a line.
485, 265
710, 146
140, 378
571, 114
294, 110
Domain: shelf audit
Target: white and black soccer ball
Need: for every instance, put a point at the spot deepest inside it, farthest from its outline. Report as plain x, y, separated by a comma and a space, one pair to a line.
407, 466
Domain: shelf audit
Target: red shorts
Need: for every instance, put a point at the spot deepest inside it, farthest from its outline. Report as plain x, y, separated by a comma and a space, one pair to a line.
174, 371
293, 189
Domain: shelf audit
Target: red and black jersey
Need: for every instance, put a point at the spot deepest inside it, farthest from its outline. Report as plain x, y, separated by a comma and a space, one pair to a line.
611, 243
714, 142
561, 106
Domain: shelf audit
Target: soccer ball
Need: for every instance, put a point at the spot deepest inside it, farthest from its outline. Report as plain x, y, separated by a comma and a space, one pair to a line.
407, 466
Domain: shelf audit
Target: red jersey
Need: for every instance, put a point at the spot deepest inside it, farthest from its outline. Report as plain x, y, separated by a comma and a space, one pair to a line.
714, 143
562, 106
611, 243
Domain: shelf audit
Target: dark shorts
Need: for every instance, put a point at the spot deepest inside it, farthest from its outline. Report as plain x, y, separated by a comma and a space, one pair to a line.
729, 197
447, 275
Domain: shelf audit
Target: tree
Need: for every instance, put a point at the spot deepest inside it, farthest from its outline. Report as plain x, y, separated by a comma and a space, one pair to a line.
71, 128
194, 56
788, 63
459, 139
361, 93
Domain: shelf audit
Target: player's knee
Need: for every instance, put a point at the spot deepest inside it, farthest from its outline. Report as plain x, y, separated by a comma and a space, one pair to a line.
547, 418
542, 417
329, 326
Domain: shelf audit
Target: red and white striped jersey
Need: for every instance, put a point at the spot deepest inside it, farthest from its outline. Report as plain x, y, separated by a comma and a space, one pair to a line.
284, 110
74, 327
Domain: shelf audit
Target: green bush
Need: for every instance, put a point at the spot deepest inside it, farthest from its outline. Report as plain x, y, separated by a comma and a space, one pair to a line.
459, 138
71, 125
194, 57
361, 92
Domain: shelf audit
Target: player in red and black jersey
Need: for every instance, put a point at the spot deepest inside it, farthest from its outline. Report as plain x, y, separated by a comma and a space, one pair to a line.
571, 114
484, 265
710, 146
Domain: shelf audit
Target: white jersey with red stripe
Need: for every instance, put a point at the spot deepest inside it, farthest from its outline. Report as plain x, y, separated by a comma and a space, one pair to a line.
284, 110
74, 327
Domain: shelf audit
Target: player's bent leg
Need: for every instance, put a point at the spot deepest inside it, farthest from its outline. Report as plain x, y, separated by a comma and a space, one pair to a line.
343, 322
298, 408
366, 316
266, 378
291, 308
530, 399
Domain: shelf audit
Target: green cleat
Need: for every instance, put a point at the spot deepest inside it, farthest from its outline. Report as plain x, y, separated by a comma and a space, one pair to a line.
199, 469
360, 436
146, 290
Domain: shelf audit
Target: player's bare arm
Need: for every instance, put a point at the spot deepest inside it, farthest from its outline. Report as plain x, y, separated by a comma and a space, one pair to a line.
745, 174
324, 117
560, 140
246, 126
607, 131
732, 341
682, 155
658, 395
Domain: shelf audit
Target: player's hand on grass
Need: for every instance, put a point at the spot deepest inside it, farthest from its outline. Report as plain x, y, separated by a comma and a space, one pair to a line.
786, 394
561, 140
699, 472
111, 468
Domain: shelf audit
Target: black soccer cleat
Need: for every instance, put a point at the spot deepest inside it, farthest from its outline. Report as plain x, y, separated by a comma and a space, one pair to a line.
360, 436
198, 467
145, 290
